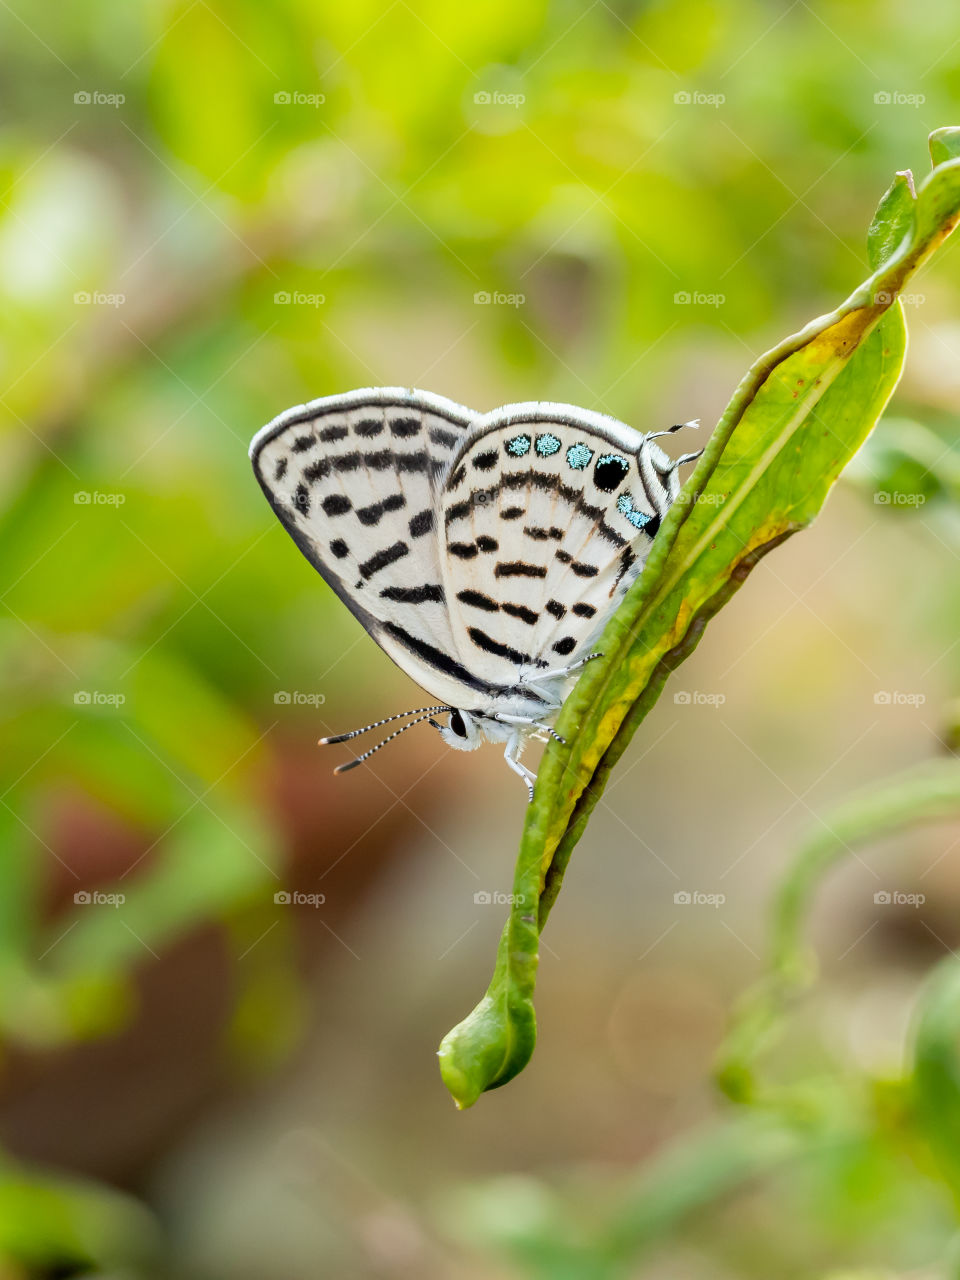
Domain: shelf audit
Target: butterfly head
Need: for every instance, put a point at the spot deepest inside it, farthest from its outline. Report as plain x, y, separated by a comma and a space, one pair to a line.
461, 731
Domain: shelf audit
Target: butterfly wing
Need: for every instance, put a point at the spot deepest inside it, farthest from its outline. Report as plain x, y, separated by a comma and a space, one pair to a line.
356, 482
548, 514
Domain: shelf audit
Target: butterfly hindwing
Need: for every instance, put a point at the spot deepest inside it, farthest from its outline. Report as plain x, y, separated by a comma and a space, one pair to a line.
548, 513
356, 481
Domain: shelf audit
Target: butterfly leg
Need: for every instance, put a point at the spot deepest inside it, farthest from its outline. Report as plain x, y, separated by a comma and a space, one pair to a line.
510, 755
554, 672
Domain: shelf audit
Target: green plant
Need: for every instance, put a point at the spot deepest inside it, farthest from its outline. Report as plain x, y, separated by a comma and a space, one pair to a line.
797, 418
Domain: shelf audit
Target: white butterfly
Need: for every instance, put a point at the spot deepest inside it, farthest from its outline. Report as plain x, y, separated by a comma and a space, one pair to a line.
483, 552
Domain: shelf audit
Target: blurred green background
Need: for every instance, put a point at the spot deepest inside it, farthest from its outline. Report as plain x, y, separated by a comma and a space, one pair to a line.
212, 211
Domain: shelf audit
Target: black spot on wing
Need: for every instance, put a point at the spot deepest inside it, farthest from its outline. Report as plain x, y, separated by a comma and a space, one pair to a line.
584, 610
339, 548
368, 427
484, 461
555, 608
486, 543
336, 504
456, 477
421, 523
478, 600
519, 569
652, 525
462, 550
405, 427
565, 646
346, 462
383, 559
441, 661
281, 469
430, 592
419, 461
373, 514
446, 439
522, 612
301, 499
302, 443
330, 434
315, 471
489, 645
609, 472
511, 513
584, 570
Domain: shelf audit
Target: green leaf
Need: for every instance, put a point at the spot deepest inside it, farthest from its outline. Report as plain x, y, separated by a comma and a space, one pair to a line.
797, 418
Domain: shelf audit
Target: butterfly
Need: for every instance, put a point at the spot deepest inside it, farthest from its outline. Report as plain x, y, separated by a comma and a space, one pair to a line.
483, 552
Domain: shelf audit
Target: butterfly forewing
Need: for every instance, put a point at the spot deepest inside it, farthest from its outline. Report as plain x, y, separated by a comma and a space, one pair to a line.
356, 481
548, 514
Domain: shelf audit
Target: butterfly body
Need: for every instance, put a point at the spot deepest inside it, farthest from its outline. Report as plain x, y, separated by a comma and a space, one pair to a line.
483, 552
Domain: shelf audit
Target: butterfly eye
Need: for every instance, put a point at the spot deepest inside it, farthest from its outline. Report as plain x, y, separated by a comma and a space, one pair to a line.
457, 725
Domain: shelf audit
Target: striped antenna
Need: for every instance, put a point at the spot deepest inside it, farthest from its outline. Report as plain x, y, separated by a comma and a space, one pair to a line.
352, 764
355, 733
678, 426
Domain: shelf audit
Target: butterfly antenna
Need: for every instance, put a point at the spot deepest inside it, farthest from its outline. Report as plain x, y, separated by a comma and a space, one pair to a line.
355, 733
352, 764
677, 426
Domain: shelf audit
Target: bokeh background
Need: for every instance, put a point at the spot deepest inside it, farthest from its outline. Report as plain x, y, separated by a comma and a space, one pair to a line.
211, 211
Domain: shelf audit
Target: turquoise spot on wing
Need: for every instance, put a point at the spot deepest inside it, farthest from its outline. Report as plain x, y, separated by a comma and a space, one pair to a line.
547, 444
579, 456
626, 508
518, 446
